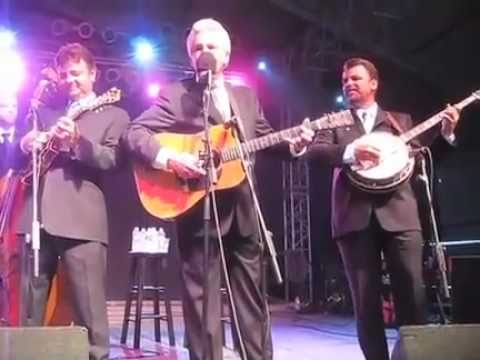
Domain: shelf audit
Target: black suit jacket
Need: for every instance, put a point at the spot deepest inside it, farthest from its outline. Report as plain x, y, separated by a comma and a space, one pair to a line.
179, 109
352, 209
72, 202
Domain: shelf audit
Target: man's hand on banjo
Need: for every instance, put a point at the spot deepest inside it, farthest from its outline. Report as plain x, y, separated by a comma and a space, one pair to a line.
366, 156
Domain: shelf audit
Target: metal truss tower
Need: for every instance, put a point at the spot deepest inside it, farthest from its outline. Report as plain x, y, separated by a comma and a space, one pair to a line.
297, 254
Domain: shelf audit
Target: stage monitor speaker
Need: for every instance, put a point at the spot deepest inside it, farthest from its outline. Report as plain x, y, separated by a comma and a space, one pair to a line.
465, 292
43, 343
439, 342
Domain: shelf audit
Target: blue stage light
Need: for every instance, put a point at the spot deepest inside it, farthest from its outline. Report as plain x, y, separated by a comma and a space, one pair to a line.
262, 65
7, 39
144, 50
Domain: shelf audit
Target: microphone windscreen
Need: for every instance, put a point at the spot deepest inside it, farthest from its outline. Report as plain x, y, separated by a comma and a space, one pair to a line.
206, 62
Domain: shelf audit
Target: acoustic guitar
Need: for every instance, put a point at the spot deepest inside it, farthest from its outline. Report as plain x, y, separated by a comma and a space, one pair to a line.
166, 196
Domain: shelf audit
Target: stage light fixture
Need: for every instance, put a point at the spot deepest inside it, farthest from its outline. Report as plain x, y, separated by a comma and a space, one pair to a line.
85, 30
153, 89
59, 27
109, 36
144, 51
112, 75
12, 71
7, 39
262, 65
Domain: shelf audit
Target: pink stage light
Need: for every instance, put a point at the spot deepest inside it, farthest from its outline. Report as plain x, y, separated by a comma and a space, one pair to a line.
12, 71
153, 90
236, 80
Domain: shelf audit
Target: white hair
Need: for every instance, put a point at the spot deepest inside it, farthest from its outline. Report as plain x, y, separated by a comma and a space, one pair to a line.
208, 24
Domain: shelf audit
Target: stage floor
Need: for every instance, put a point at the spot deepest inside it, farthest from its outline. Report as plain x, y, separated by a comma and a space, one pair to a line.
295, 336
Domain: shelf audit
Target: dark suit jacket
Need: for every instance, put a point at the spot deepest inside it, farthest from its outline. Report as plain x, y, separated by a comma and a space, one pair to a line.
352, 209
5, 161
72, 202
179, 109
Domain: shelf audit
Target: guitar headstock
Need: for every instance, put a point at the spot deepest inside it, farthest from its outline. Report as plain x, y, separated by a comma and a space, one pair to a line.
476, 94
109, 97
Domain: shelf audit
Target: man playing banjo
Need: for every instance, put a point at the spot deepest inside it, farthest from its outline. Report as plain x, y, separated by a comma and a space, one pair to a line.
365, 224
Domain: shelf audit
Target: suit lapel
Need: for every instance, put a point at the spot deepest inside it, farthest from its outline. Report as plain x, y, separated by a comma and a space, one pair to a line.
233, 99
358, 123
380, 120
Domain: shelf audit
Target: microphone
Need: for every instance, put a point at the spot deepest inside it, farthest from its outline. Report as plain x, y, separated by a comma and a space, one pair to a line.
46, 86
48, 75
205, 65
206, 62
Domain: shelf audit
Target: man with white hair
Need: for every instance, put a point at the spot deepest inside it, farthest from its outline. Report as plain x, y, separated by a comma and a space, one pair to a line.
179, 109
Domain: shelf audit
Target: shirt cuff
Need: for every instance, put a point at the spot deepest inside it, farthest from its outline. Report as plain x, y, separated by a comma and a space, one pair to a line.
450, 138
296, 153
348, 154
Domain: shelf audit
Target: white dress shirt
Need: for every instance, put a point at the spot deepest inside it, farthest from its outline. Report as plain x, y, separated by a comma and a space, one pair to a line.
6, 135
367, 116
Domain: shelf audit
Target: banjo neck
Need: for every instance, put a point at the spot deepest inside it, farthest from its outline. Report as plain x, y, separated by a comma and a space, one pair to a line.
437, 118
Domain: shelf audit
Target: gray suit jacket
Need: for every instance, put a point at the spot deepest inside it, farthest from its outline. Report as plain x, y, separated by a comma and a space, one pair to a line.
72, 202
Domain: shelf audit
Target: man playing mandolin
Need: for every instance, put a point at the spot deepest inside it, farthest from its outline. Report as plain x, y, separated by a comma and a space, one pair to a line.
178, 109
365, 224
83, 134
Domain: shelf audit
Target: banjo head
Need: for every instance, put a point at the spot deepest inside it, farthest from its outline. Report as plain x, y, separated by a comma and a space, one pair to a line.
395, 164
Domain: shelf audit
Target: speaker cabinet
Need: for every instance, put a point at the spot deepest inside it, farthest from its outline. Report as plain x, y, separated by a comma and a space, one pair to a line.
43, 343
439, 342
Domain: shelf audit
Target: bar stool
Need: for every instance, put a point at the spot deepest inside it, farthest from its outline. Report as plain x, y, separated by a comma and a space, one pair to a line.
226, 319
139, 290
224, 316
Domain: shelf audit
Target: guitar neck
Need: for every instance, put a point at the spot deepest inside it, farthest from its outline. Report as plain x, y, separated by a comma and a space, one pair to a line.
251, 146
434, 120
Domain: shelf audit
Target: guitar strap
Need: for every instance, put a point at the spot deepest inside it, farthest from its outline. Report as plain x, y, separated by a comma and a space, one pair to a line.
394, 123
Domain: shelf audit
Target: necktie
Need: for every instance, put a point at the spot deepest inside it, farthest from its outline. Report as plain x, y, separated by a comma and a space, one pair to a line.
6, 136
364, 117
366, 120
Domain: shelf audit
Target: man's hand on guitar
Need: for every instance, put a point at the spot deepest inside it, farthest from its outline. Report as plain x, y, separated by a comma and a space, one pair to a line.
65, 130
185, 166
299, 143
33, 139
450, 120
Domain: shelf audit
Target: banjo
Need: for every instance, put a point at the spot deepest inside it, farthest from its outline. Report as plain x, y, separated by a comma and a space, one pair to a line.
396, 161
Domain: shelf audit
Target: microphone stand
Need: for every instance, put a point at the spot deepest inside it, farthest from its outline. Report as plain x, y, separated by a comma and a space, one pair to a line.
435, 244
35, 235
264, 233
210, 181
